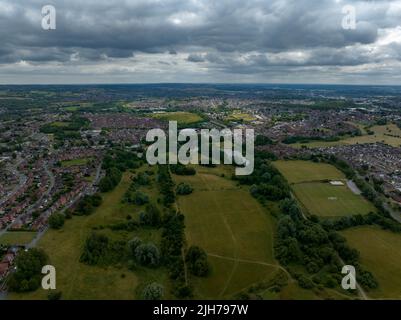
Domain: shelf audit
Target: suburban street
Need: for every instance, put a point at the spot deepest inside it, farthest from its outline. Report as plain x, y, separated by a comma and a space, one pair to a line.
21, 183
36, 204
89, 190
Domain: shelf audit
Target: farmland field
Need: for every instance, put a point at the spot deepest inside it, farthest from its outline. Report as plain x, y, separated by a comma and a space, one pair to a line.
317, 144
380, 253
75, 162
234, 230
389, 134
179, 116
297, 171
59, 124
323, 199
309, 182
240, 116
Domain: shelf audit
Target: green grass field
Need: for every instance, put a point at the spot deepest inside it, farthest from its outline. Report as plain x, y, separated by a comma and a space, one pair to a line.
75, 162
17, 237
240, 116
318, 144
297, 171
309, 181
71, 109
232, 227
179, 116
59, 124
380, 252
79, 281
389, 134
325, 200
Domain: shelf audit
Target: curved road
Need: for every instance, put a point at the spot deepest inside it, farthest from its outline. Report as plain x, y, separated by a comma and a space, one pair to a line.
33, 206
22, 180
89, 190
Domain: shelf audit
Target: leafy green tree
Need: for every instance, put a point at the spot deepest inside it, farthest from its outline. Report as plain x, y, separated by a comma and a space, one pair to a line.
56, 220
110, 180
184, 189
133, 244
367, 280
153, 291
140, 198
147, 255
142, 179
196, 259
88, 204
95, 248
151, 216
27, 276
182, 170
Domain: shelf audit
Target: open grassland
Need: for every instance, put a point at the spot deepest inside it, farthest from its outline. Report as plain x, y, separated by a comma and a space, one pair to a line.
75, 162
79, 281
71, 109
59, 124
240, 116
325, 200
389, 134
17, 237
297, 171
317, 144
380, 252
232, 227
179, 116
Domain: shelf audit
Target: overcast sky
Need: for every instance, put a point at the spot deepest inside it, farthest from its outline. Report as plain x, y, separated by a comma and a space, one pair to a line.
136, 41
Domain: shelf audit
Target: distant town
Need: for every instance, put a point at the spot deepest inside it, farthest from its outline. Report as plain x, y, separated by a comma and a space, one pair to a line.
71, 161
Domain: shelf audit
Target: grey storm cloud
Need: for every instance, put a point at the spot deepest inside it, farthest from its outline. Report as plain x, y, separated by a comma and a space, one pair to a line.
213, 37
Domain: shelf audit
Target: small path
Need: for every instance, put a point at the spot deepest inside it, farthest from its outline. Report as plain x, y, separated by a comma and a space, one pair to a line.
353, 187
394, 214
277, 266
232, 237
36, 239
185, 266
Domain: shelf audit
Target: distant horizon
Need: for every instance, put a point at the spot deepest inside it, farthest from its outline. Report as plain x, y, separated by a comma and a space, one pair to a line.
201, 83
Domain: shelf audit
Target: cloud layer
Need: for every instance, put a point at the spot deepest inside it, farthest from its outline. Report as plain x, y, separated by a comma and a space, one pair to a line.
100, 41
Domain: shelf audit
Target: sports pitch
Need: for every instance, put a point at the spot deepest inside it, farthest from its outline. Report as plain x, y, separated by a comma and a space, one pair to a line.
310, 184
325, 200
296, 171
180, 116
